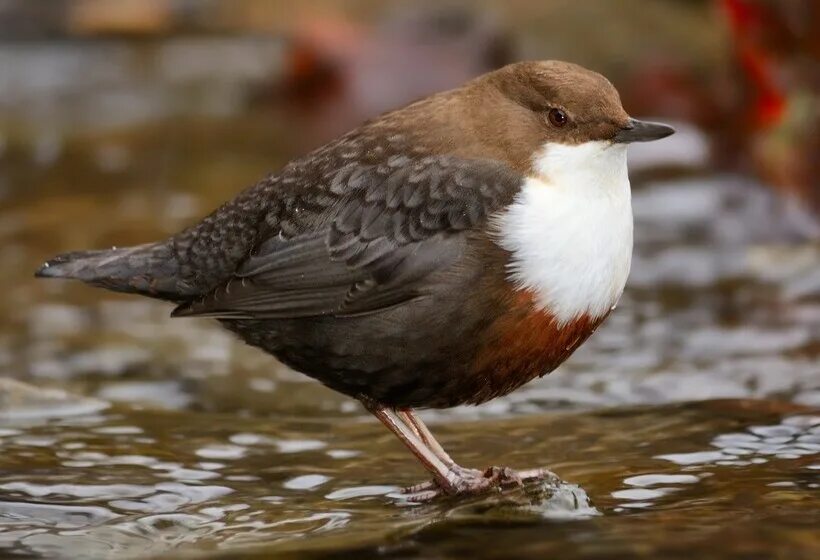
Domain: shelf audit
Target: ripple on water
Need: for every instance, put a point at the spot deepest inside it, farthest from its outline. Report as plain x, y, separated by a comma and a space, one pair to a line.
648, 488
360, 492
169, 497
794, 437
98, 491
58, 516
282, 445
305, 482
342, 453
641, 494
119, 430
656, 479
222, 451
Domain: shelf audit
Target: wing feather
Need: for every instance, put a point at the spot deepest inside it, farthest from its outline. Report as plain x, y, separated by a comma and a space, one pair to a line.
391, 227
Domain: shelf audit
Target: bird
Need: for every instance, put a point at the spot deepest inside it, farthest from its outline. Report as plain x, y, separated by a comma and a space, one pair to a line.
442, 254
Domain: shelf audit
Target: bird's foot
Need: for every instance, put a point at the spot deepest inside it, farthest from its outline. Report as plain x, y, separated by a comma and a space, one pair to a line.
462, 481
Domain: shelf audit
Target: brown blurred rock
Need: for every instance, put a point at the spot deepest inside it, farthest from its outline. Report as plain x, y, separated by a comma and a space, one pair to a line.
23, 401
338, 73
123, 17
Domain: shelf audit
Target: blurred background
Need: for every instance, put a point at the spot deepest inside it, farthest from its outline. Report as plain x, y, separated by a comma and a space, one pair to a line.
124, 433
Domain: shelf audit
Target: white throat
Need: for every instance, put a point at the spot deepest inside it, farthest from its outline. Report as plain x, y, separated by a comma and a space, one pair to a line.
569, 230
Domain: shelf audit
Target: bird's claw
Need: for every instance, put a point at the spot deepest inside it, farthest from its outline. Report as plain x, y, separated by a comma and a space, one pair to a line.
472, 482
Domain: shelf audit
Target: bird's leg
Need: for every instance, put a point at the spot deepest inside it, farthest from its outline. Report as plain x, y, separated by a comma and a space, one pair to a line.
423, 432
448, 477
500, 475
445, 478
412, 419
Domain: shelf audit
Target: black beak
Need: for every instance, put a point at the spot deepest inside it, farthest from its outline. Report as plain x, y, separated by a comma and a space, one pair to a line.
642, 131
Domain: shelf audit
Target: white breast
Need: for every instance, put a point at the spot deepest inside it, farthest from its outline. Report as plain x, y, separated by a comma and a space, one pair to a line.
569, 230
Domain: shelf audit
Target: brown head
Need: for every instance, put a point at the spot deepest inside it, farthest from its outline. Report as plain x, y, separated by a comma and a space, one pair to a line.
512, 113
555, 102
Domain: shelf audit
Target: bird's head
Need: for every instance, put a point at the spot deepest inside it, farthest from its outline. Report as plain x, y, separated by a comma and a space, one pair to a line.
554, 115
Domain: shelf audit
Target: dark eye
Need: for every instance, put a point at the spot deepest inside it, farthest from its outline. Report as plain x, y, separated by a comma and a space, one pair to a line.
557, 117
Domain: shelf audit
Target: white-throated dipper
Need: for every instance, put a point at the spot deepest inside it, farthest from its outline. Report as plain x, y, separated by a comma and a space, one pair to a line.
445, 253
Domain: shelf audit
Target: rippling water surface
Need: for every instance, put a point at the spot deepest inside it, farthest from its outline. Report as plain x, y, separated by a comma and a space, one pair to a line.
688, 426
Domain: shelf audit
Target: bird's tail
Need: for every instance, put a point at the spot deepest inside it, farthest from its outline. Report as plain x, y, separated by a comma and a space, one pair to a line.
151, 269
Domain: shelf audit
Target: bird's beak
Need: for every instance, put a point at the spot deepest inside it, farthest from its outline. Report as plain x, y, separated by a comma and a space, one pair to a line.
642, 131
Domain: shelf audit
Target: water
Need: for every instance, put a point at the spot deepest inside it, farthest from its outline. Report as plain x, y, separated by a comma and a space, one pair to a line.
125, 484
688, 426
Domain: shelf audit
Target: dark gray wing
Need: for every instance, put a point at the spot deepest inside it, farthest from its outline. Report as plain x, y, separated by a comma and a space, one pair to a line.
388, 228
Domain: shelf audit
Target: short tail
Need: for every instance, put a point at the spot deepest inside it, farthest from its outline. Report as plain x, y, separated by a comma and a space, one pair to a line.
150, 270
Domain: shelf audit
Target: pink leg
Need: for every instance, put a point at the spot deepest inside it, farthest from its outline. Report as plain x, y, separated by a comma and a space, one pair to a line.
448, 477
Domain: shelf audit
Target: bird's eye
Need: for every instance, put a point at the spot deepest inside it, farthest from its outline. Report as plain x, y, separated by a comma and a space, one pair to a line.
557, 117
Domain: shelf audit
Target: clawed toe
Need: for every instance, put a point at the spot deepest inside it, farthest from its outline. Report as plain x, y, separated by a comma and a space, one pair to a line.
472, 482
505, 476
420, 487
424, 496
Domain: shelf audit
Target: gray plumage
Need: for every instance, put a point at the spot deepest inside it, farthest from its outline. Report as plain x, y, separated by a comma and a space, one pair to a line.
353, 228
316, 264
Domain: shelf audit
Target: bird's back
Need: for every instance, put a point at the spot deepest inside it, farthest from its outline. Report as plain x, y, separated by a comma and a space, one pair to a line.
386, 183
